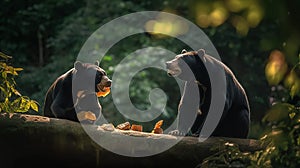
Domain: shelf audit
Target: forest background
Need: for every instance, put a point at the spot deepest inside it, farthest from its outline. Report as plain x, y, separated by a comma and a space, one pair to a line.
258, 40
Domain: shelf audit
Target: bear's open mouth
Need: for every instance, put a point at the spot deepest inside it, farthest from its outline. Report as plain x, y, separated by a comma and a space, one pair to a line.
103, 87
103, 90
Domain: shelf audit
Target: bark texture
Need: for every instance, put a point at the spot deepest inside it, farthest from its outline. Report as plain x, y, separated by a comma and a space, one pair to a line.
37, 141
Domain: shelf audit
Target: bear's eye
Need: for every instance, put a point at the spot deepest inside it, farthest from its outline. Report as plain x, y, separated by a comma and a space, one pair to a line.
98, 74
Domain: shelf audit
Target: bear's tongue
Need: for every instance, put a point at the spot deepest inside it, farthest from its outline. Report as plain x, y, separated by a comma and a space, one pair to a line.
103, 87
103, 93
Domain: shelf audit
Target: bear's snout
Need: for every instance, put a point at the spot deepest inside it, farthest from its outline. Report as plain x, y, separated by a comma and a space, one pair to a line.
172, 68
105, 81
108, 83
168, 64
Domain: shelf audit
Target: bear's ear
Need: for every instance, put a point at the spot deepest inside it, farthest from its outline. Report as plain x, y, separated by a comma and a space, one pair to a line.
200, 52
78, 65
183, 51
97, 63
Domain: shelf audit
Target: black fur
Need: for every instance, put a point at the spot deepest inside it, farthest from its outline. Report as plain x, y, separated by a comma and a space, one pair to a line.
83, 77
235, 119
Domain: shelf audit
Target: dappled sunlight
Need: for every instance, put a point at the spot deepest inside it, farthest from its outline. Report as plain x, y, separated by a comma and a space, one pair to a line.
236, 5
242, 14
276, 67
254, 15
203, 20
202, 14
240, 24
164, 25
219, 14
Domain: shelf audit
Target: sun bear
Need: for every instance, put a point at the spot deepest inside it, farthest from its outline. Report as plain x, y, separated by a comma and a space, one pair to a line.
235, 118
86, 81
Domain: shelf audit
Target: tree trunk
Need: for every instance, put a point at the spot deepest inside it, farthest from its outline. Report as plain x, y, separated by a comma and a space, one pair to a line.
37, 141
41, 47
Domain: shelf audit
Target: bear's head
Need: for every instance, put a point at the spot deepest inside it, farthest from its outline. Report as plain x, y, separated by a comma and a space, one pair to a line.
90, 77
186, 65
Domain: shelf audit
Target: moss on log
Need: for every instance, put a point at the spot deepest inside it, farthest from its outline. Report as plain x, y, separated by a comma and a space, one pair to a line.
37, 141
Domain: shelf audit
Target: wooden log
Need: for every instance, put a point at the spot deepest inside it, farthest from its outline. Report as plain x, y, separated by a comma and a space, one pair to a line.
37, 141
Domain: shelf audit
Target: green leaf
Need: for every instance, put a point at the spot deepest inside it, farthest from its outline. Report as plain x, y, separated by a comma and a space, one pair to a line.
16, 92
278, 112
34, 106
295, 89
4, 91
2, 55
16, 103
107, 58
292, 115
18, 69
25, 105
4, 74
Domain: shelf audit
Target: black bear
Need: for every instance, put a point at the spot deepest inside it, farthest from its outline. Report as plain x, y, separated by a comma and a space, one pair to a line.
76, 91
235, 119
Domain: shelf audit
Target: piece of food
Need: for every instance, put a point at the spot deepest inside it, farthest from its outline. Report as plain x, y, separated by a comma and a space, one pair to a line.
108, 127
158, 124
105, 93
157, 128
135, 127
124, 126
157, 131
86, 115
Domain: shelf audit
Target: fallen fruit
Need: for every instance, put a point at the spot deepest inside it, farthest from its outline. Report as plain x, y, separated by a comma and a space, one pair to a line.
157, 128
124, 126
136, 127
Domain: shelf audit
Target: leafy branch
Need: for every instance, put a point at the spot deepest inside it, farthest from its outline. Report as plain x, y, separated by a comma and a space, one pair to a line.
11, 99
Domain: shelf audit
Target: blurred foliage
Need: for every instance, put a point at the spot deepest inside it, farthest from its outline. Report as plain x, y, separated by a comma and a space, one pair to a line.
228, 155
284, 137
11, 99
27, 27
281, 144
